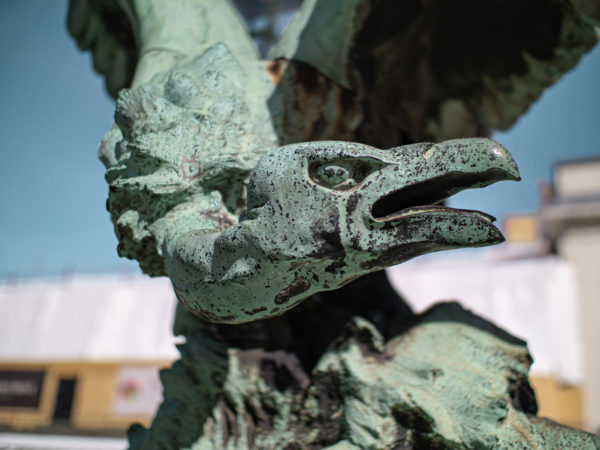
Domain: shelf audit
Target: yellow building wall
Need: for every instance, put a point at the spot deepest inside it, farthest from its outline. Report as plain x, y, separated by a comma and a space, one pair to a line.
521, 228
558, 402
93, 398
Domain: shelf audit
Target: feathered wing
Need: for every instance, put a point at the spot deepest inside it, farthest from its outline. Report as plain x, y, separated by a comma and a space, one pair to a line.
127, 36
108, 29
432, 69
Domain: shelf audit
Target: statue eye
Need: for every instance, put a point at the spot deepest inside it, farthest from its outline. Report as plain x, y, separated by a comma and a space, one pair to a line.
332, 175
342, 174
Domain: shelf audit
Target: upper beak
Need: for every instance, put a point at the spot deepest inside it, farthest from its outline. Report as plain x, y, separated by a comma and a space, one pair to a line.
403, 202
434, 172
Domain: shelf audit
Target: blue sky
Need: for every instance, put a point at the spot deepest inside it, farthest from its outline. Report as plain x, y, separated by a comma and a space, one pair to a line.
54, 111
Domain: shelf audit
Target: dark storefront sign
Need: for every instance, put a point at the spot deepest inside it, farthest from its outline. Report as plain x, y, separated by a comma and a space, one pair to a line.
20, 388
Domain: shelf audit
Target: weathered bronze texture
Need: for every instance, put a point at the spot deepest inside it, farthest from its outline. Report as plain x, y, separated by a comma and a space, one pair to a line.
278, 189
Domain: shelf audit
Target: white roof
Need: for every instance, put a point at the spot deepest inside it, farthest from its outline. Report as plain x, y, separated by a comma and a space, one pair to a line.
95, 318
115, 318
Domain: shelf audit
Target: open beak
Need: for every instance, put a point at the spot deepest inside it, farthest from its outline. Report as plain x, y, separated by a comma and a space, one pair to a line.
415, 211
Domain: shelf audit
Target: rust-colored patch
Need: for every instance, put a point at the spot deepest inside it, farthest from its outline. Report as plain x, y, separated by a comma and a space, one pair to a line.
190, 168
275, 70
255, 311
311, 80
298, 286
224, 220
315, 107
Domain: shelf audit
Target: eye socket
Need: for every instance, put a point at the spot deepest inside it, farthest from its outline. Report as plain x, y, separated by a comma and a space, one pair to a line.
341, 174
334, 175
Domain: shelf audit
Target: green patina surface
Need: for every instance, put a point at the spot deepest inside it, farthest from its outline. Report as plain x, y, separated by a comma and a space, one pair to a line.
205, 189
182, 154
321, 214
411, 391
179, 169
